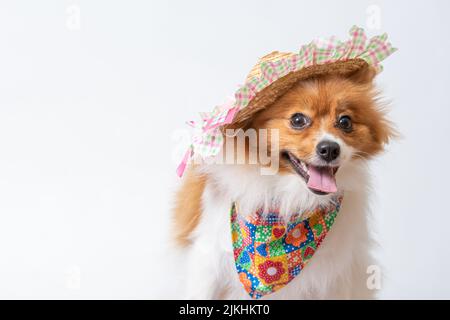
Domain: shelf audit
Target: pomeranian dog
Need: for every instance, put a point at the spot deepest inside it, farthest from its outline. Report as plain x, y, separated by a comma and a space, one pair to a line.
328, 127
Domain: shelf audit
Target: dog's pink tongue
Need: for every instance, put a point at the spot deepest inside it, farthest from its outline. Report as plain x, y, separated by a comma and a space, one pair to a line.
322, 179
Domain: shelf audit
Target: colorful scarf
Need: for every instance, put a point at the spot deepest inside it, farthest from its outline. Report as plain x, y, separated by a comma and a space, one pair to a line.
269, 252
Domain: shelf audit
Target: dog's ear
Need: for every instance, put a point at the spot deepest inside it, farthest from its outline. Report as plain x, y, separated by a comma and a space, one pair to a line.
364, 75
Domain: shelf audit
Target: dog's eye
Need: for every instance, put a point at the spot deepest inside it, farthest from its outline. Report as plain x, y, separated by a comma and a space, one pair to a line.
345, 123
300, 121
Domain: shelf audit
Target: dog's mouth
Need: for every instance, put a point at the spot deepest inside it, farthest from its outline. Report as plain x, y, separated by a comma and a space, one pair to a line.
319, 179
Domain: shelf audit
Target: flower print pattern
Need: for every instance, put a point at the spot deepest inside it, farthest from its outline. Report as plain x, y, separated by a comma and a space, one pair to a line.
297, 235
269, 252
271, 271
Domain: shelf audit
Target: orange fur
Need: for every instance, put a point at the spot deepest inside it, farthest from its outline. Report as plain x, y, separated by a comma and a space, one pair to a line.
187, 209
323, 100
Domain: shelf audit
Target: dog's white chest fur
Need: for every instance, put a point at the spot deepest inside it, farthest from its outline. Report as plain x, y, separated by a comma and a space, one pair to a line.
338, 268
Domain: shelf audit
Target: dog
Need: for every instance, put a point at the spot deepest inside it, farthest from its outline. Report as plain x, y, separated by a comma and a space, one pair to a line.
329, 128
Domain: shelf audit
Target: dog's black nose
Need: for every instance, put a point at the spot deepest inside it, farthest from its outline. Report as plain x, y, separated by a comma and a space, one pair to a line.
328, 150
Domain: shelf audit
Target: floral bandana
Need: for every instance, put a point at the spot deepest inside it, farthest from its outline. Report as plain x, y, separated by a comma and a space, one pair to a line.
269, 252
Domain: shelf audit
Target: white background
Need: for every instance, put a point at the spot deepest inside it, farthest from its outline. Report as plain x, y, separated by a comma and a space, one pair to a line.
87, 117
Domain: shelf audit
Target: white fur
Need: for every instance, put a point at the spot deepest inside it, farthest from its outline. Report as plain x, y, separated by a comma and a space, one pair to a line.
338, 268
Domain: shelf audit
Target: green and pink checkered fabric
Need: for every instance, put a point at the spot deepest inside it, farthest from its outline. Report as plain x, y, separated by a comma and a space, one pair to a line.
207, 139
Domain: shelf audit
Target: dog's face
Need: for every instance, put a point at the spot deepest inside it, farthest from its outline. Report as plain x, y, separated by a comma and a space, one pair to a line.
323, 124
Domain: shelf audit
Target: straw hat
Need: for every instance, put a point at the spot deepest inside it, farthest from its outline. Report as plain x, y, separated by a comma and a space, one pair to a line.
276, 89
275, 74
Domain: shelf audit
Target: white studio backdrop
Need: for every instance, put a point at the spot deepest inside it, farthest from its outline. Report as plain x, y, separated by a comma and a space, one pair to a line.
92, 93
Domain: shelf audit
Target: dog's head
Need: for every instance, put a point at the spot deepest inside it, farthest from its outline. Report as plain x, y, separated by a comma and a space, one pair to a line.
326, 123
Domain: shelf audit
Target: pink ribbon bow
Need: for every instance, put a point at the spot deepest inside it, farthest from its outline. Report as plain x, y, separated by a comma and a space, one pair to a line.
207, 139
